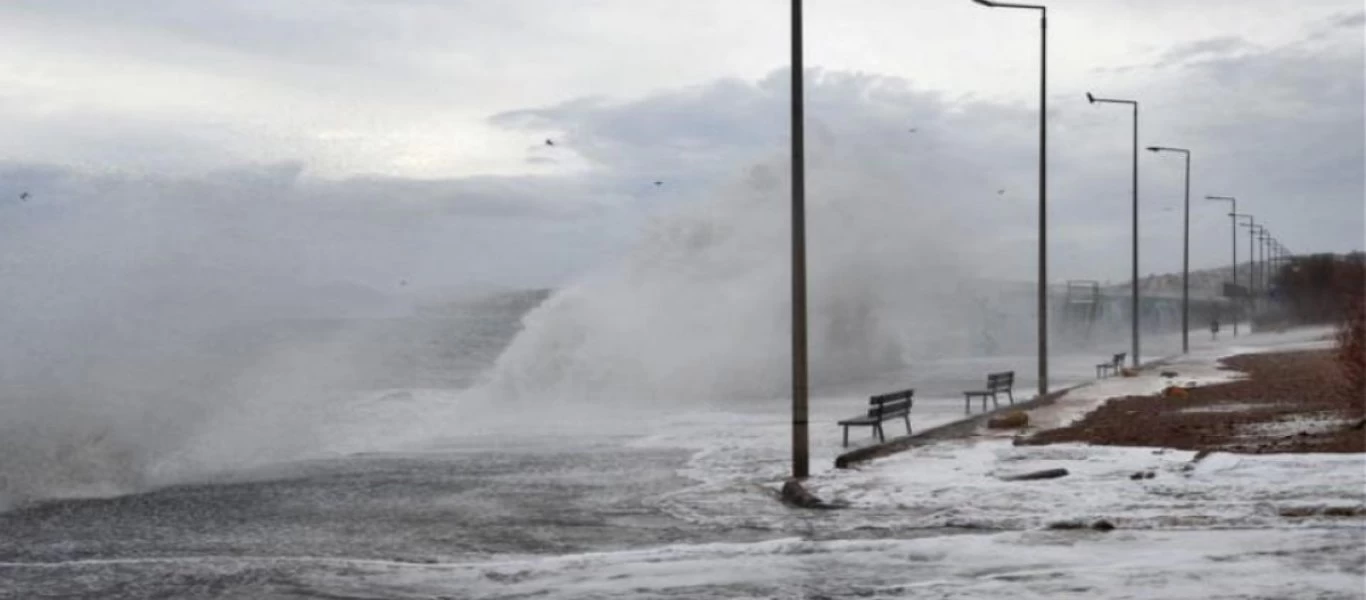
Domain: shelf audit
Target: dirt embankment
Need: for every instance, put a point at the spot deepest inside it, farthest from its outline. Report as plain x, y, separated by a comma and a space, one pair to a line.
1289, 402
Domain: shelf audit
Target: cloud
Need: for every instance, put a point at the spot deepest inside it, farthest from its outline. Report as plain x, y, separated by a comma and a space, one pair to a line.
1351, 20
1207, 48
1270, 124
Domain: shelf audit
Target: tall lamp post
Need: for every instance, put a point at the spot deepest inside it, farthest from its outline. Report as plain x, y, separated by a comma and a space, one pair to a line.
1043, 182
800, 456
1233, 228
1252, 231
1134, 262
1185, 252
1251, 258
1265, 237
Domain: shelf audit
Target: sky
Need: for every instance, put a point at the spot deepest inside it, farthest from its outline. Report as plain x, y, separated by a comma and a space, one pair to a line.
402, 143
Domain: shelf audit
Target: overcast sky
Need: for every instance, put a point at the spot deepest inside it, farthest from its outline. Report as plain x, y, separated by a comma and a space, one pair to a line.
378, 141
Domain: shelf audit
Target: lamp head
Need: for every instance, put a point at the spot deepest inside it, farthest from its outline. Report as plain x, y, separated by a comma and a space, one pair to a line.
1090, 98
1154, 148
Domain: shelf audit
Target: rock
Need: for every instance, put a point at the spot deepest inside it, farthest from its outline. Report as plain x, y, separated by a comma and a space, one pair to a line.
1360, 425
1136, 476
1170, 374
1103, 525
1128, 372
1045, 474
1066, 525
1174, 391
1011, 420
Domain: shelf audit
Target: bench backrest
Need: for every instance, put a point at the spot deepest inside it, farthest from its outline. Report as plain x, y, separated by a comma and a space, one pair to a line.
1000, 381
893, 404
1118, 359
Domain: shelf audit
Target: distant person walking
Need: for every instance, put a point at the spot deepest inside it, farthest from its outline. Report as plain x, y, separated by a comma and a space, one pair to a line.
1214, 328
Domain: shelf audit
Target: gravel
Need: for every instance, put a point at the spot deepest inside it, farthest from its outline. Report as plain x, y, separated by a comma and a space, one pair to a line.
1290, 402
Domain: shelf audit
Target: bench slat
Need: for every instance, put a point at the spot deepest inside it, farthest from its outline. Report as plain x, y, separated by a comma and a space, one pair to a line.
901, 395
890, 409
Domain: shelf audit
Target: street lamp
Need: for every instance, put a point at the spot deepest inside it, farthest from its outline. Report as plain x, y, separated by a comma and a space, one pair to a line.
1253, 231
1233, 228
1185, 252
1251, 256
1265, 237
800, 456
1043, 182
1134, 263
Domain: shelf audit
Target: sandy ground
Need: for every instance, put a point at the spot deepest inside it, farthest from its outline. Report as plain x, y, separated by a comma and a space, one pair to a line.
1284, 402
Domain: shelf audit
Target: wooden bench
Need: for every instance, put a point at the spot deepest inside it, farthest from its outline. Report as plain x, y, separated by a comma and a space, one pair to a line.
1116, 363
996, 384
883, 407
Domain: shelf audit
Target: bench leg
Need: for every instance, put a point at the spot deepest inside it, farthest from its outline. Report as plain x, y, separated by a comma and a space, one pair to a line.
994, 402
846, 436
1011, 396
967, 404
880, 437
908, 423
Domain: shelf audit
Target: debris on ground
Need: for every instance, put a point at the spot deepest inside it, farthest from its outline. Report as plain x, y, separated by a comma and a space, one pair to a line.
1035, 475
1011, 420
1175, 391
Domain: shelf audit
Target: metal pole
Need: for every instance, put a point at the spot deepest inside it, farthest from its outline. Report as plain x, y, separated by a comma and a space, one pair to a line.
1251, 269
1134, 312
1233, 228
800, 456
1261, 253
1251, 263
1134, 261
1233, 231
1186, 250
1186, 267
1261, 264
1266, 272
1043, 183
1043, 202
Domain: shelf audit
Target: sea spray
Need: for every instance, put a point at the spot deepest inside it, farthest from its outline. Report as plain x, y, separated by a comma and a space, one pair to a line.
699, 311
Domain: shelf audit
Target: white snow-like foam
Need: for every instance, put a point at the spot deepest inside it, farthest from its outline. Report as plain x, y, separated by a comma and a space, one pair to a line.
960, 484
1138, 565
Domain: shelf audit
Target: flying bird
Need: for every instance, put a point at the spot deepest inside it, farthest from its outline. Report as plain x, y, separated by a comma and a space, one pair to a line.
1000, 192
659, 183
23, 196
550, 142
913, 130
